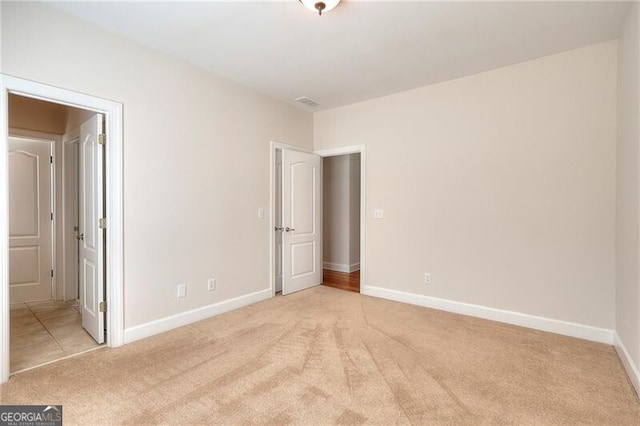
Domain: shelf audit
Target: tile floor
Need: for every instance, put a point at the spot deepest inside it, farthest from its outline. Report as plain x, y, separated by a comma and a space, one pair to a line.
46, 331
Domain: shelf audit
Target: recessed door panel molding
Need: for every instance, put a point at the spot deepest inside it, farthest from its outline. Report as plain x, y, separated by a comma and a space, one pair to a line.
24, 195
301, 220
302, 256
88, 165
303, 196
30, 219
89, 302
25, 261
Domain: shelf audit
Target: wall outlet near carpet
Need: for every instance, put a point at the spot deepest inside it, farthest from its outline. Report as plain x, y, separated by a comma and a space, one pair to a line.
182, 291
211, 284
427, 278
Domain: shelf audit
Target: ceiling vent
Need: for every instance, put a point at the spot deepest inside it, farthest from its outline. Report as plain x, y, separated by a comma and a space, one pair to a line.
307, 101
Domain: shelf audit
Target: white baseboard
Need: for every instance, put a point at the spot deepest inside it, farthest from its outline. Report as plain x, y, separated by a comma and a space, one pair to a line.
565, 328
184, 318
632, 369
341, 267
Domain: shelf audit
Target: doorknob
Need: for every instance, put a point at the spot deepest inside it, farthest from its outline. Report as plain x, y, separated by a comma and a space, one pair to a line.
287, 229
80, 237
279, 228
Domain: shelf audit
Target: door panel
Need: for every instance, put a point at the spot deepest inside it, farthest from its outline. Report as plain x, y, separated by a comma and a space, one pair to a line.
302, 219
91, 249
30, 222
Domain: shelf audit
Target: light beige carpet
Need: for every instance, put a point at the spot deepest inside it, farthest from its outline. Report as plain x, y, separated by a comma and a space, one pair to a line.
326, 356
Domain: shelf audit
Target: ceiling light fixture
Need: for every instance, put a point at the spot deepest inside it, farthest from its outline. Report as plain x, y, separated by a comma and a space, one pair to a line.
320, 6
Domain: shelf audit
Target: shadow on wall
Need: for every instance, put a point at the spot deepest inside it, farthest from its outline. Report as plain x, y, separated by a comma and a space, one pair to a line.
341, 212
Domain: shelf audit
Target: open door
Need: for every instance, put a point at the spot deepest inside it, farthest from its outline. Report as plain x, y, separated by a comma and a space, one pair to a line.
91, 208
301, 221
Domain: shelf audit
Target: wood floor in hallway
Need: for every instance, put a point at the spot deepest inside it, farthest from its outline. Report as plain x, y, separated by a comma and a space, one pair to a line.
342, 280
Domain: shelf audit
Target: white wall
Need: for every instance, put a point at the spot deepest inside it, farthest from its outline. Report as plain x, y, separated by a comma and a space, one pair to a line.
341, 212
36, 115
196, 157
335, 217
501, 184
627, 198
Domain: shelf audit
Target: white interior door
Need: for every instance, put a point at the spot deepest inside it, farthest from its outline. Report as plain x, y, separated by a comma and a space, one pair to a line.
91, 250
30, 220
302, 220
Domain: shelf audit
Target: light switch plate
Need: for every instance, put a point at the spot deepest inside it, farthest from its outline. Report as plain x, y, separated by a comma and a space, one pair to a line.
182, 291
378, 213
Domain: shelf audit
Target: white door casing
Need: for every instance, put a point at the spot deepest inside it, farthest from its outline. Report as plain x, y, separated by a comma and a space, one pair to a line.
113, 112
30, 219
302, 220
278, 220
91, 251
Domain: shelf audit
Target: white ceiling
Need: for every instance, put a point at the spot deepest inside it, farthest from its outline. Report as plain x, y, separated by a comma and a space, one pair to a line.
358, 51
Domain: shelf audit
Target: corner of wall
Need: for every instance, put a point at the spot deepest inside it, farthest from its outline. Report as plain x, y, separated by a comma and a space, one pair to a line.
633, 372
627, 289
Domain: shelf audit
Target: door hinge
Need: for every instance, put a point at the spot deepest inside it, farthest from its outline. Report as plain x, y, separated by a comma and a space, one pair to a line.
102, 223
102, 139
51, 159
51, 216
52, 273
102, 306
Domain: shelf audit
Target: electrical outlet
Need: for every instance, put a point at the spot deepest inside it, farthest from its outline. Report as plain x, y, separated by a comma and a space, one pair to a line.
427, 278
182, 291
211, 284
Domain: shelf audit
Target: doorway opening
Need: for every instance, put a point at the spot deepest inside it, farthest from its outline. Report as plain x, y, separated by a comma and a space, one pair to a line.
48, 180
341, 221
287, 257
57, 273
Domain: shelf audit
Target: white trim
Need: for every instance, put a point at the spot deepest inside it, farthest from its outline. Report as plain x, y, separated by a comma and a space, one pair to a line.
362, 150
343, 150
632, 369
341, 267
4, 235
565, 328
185, 318
114, 193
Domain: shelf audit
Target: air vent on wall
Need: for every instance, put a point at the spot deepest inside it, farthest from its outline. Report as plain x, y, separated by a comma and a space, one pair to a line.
307, 101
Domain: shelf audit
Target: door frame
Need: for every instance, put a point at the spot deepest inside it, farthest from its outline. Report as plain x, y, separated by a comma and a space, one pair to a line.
114, 203
356, 149
331, 152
